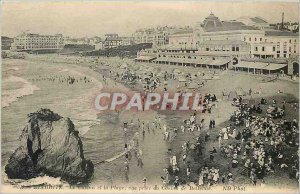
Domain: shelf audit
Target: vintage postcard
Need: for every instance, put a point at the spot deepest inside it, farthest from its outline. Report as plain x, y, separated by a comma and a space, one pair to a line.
149, 97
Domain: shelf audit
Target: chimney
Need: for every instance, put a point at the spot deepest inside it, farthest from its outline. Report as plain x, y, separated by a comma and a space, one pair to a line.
282, 21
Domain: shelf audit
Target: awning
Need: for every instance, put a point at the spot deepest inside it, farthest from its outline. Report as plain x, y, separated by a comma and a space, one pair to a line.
204, 61
273, 66
176, 71
184, 60
193, 86
251, 65
259, 65
219, 62
124, 66
182, 79
145, 58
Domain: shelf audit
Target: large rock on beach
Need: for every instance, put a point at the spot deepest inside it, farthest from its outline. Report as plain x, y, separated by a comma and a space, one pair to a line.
49, 144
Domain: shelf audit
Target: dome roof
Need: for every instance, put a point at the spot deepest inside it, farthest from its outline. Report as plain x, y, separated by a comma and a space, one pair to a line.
212, 22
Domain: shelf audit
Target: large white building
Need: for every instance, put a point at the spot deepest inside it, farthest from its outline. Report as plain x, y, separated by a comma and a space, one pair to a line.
262, 41
158, 36
27, 41
112, 41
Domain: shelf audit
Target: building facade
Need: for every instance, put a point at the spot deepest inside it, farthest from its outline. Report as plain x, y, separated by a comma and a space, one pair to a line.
214, 42
26, 41
112, 41
127, 40
183, 39
158, 36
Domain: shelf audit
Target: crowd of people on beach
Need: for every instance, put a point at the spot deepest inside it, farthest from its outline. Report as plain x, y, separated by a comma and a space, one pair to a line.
132, 142
265, 139
255, 139
62, 79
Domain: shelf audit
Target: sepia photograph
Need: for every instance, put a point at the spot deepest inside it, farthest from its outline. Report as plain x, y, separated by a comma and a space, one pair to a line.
149, 96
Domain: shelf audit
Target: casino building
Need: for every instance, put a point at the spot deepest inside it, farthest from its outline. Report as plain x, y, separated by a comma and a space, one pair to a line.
35, 42
239, 44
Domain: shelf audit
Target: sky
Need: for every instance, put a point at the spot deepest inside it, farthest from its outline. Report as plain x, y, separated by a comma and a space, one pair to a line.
87, 19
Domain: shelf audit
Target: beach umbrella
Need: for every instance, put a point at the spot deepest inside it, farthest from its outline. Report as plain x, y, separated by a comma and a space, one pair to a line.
159, 74
182, 79
123, 66
216, 77
240, 92
177, 71
193, 85
232, 95
207, 77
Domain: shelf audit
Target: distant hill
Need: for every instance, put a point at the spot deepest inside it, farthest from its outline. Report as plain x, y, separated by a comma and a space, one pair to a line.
6, 42
129, 51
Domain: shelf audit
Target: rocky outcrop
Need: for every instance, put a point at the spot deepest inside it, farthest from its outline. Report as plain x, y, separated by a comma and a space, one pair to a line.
49, 144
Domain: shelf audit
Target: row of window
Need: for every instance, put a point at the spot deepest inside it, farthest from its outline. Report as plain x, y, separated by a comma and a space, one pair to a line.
41, 47
284, 55
178, 51
234, 48
41, 44
177, 56
278, 49
255, 39
261, 39
41, 39
263, 48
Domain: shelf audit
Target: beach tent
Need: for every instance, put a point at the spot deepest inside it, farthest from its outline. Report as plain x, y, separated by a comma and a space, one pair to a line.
207, 77
124, 66
135, 68
160, 74
177, 71
182, 79
200, 72
216, 77
232, 95
240, 92
193, 85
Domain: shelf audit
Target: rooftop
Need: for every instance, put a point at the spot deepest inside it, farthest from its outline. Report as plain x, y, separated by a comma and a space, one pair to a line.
213, 24
259, 20
231, 28
253, 21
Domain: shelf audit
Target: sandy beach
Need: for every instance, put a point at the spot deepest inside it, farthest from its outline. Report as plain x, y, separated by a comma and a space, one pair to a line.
102, 132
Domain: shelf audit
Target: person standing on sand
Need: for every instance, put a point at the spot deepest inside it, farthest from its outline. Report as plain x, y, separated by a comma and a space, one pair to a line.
126, 173
139, 158
188, 172
145, 182
143, 125
176, 182
225, 137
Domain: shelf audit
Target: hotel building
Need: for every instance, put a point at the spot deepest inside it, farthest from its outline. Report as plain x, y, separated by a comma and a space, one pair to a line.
28, 42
